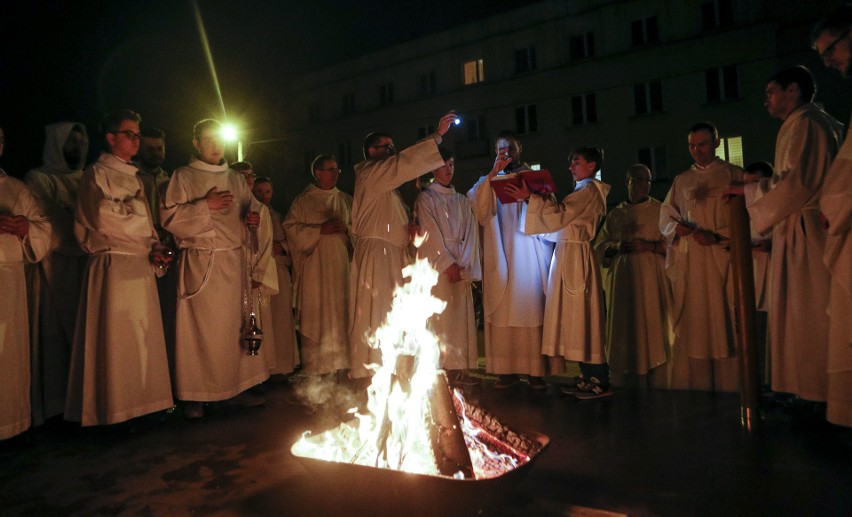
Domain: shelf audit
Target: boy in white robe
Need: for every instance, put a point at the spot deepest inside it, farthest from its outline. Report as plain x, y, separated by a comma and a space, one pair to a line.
638, 329
381, 226
452, 247
209, 209
119, 369
25, 238
514, 276
574, 316
318, 228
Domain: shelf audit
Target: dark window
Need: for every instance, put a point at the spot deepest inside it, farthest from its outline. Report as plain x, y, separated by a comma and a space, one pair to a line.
722, 83
582, 46
525, 60
715, 14
349, 104
344, 154
655, 159
428, 85
386, 94
644, 31
526, 119
648, 97
423, 132
584, 109
475, 127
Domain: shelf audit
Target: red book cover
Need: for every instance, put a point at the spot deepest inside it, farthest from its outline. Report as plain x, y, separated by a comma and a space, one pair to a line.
538, 181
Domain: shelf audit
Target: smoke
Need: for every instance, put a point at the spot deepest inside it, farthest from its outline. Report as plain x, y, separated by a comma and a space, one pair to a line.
327, 396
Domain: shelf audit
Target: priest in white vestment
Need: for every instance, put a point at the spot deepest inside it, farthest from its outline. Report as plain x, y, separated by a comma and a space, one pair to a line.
452, 247
25, 238
787, 207
54, 283
208, 208
514, 276
638, 296
382, 230
318, 228
694, 220
119, 369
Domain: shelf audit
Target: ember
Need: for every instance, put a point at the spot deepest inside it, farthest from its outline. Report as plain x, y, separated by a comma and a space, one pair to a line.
413, 422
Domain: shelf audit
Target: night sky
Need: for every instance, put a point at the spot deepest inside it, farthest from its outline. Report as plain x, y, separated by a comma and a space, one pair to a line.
64, 60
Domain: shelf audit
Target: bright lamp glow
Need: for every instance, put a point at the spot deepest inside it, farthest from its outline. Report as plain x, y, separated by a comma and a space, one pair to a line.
229, 133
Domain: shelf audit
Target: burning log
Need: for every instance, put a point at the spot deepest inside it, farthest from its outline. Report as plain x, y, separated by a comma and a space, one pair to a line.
451, 452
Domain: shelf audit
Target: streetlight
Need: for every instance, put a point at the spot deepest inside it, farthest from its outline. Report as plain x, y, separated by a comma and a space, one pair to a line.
229, 133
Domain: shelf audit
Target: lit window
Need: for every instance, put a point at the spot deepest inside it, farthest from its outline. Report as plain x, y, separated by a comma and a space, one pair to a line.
645, 31
584, 109
648, 97
525, 60
428, 85
582, 46
655, 159
526, 119
731, 150
535, 166
474, 71
717, 13
722, 83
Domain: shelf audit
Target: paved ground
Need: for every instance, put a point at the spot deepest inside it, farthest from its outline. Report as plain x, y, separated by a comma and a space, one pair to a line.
637, 453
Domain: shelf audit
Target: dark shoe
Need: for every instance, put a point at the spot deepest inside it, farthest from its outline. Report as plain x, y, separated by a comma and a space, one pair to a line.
573, 385
506, 381
537, 383
193, 410
463, 379
593, 390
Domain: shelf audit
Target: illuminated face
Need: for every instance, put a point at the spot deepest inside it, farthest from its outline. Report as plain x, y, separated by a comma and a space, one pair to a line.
509, 147
582, 168
152, 152
444, 174
210, 146
327, 175
702, 147
382, 149
263, 192
75, 145
638, 185
780, 101
124, 142
835, 51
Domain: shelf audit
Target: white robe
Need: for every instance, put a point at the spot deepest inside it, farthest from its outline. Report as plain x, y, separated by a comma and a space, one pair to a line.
54, 283
277, 309
574, 314
514, 283
638, 294
321, 277
452, 238
787, 205
380, 226
836, 205
211, 362
702, 284
119, 369
16, 199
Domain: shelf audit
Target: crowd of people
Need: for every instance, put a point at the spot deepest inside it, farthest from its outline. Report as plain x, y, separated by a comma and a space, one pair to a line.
128, 289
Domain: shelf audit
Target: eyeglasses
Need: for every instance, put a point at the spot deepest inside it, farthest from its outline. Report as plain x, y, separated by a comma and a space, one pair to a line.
829, 50
390, 147
130, 135
332, 169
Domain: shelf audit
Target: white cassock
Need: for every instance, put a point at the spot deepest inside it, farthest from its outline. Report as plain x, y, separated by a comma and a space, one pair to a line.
452, 238
574, 316
54, 283
638, 295
321, 277
277, 306
119, 369
787, 205
836, 205
16, 199
211, 362
380, 226
703, 354
514, 283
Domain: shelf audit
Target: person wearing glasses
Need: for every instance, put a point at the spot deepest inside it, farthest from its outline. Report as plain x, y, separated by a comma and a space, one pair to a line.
25, 238
318, 228
382, 230
638, 295
119, 368
54, 282
210, 210
831, 39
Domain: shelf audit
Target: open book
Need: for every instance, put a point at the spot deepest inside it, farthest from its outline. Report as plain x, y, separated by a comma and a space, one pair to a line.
538, 181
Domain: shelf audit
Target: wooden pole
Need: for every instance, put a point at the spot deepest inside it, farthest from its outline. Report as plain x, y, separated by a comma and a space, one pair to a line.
743, 271
451, 452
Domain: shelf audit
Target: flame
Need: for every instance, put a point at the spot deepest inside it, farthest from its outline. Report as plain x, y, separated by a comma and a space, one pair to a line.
394, 433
